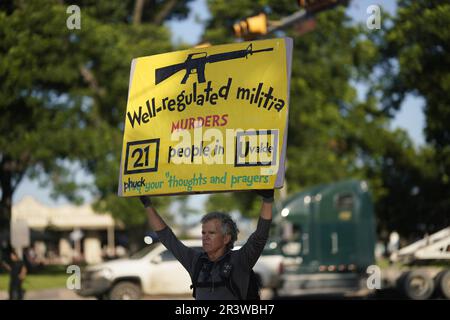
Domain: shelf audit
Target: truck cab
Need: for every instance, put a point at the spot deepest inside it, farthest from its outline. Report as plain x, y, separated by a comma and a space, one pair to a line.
327, 237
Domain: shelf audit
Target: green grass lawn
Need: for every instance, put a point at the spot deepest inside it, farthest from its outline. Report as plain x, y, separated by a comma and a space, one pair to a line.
37, 281
50, 277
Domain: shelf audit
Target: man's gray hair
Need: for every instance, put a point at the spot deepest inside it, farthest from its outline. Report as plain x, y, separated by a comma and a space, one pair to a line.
228, 225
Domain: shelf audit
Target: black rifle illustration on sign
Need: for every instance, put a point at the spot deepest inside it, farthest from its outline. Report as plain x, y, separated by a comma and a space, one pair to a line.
195, 63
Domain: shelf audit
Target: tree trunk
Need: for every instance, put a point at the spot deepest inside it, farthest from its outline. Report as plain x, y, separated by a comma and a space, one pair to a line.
137, 14
7, 193
165, 11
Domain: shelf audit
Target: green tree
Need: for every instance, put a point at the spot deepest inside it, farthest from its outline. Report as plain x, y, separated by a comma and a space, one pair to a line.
414, 59
334, 135
63, 92
331, 131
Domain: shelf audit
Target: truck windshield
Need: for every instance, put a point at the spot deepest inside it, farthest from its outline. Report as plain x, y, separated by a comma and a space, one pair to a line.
143, 252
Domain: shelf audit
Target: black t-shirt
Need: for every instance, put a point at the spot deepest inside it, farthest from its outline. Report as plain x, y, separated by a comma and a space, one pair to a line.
242, 260
16, 267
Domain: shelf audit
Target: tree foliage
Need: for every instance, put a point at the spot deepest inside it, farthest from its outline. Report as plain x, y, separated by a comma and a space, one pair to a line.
63, 96
414, 59
63, 92
335, 134
330, 134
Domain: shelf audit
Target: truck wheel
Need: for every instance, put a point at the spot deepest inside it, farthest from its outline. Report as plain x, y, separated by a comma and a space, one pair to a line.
417, 285
443, 283
125, 290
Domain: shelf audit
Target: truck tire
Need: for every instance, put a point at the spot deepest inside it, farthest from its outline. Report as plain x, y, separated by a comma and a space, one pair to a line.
125, 290
416, 285
443, 283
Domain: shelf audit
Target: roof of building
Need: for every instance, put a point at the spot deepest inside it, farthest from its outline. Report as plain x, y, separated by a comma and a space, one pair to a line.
67, 217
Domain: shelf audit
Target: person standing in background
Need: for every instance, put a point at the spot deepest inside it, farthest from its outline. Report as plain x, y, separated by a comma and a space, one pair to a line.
17, 273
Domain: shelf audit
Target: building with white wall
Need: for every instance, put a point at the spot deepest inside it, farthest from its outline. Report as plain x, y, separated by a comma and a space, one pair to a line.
68, 233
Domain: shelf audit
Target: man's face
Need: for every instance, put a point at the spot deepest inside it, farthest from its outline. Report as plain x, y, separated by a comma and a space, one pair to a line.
212, 237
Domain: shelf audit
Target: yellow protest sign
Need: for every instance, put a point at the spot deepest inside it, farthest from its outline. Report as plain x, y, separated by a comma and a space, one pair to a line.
207, 119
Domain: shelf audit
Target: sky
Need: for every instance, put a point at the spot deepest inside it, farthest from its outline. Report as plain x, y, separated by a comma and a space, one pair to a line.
409, 118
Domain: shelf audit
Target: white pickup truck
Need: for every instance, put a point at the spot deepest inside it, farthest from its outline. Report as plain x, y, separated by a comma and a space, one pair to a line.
155, 271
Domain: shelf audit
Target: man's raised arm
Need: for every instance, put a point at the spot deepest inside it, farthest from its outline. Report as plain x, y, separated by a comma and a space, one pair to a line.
155, 220
252, 249
266, 208
182, 253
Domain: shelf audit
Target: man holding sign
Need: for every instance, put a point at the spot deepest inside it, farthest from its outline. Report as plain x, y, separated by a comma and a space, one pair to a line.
218, 273
210, 120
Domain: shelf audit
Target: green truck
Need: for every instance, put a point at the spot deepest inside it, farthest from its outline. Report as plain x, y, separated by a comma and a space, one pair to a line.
327, 238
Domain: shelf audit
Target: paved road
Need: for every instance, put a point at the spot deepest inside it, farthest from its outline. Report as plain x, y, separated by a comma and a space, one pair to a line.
47, 294
66, 294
